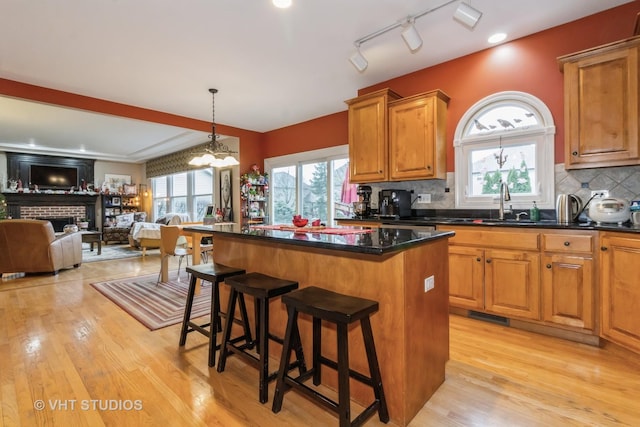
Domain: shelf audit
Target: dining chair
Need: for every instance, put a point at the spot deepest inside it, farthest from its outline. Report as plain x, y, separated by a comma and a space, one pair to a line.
172, 244
206, 248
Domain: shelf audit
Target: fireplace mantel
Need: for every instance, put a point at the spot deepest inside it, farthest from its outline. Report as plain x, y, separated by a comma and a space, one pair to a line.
15, 200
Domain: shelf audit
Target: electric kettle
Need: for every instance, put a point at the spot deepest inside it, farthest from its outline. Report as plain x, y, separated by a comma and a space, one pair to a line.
568, 207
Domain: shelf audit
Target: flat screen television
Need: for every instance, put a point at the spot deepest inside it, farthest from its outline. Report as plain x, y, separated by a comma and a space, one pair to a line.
53, 177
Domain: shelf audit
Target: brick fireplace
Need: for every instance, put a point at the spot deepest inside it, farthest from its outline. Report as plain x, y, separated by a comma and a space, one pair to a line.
52, 206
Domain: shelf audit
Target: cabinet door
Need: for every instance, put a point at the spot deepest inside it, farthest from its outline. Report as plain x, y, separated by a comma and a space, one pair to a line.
512, 283
417, 137
368, 138
620, 258
411, 139
466, 277
601, 108
568, 284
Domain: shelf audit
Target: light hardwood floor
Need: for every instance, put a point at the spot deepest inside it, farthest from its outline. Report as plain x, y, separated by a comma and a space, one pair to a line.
63, 343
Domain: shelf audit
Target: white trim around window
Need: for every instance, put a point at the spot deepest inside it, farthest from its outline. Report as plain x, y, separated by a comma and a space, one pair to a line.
541, 135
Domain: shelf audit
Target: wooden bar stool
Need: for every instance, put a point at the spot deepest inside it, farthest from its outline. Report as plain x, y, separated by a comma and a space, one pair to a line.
214, 273
342, 310
262, 288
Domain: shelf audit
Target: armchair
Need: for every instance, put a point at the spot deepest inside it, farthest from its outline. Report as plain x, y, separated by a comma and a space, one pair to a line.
31, 246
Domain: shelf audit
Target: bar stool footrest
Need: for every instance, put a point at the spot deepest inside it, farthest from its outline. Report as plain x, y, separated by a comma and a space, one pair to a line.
326, 401
353, 374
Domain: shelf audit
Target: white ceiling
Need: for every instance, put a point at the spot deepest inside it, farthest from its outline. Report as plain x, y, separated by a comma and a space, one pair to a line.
272, 67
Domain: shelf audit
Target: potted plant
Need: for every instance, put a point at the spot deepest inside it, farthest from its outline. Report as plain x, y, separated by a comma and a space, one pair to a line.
83, 223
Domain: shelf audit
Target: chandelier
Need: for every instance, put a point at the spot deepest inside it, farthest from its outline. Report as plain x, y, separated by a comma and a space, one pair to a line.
216, 154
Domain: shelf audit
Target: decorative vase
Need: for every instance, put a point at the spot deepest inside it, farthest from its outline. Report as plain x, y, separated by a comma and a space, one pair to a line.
70, 228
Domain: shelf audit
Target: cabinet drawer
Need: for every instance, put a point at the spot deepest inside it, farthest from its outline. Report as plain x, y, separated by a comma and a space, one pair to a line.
567, 243
492, 238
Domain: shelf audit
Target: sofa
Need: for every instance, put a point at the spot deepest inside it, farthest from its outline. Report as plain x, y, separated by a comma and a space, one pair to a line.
146, 235
31, 246
120, 230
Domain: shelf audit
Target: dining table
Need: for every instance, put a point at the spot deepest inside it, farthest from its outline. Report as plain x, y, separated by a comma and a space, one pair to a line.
196, 236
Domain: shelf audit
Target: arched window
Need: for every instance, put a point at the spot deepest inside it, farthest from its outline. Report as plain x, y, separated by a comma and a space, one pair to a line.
507, 136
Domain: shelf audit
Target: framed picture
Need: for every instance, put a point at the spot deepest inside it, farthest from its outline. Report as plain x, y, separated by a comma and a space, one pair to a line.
115, 201
115, 183
226, 200
130, 189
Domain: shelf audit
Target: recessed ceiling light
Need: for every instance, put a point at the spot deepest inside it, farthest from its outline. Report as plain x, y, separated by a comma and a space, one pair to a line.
497, 38
282, 4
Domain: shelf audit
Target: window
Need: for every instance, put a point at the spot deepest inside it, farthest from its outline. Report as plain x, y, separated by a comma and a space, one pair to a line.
188, 192
508, 136
314, 184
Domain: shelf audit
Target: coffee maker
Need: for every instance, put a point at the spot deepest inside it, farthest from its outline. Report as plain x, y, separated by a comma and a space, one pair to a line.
394, 203
362, 208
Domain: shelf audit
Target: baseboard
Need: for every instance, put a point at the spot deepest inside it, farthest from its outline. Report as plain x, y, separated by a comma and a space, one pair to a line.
580, 337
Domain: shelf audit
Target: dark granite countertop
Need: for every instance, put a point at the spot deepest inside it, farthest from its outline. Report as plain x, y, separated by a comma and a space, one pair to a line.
627, 227
377, 242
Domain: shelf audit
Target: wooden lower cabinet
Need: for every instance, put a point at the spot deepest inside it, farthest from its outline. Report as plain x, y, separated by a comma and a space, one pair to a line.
466, 277
512, 283
541, 279
620, 287
569, 279
568, 290
502, 280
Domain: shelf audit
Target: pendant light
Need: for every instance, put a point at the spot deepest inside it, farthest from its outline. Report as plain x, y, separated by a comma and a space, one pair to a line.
216, 154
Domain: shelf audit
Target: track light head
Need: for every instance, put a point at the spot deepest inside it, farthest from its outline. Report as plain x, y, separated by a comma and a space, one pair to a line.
467, 16
358, 60
411, 37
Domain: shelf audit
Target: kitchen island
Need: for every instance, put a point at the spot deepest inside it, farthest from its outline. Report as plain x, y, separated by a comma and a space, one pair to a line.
391, 266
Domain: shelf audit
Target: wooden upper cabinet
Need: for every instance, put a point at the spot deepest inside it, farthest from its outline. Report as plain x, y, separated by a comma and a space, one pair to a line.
368, 134
417, 126
601, 106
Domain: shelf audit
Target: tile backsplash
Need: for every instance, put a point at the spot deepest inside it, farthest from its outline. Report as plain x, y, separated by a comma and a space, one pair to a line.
622, 181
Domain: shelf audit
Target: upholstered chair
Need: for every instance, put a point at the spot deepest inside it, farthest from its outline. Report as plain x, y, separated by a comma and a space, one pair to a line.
31, 246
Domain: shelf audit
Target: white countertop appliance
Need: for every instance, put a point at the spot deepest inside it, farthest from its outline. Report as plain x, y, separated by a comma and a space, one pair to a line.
609, 209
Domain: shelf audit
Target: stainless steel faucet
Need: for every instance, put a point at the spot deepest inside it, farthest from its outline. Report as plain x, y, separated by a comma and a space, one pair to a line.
504, 197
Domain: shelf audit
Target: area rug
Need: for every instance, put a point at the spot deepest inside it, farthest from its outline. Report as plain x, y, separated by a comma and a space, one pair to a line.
111, 252
155, 306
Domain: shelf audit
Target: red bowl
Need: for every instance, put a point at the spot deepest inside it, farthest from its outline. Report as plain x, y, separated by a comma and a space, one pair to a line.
300, 222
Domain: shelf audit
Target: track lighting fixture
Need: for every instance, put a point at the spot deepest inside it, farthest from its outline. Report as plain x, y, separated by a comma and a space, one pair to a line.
358, 60
467, 16
411, 36
464, 14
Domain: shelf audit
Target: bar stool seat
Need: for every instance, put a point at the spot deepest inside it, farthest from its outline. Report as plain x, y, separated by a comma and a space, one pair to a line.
262, 288
214, 273
341, 310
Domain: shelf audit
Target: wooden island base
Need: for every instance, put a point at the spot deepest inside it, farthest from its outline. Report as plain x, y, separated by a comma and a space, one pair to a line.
411, 329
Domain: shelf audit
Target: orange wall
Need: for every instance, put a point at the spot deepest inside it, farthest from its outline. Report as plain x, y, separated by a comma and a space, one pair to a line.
528, 65
326, 131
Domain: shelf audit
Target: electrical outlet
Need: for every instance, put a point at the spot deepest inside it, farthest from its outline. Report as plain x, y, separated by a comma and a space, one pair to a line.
599, 194
429, 283
424, 198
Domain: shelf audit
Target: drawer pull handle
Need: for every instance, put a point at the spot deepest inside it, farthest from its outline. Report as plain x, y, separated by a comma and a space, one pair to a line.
603, 248
549, 266
567, 243
575, 153
478, 259
489, 261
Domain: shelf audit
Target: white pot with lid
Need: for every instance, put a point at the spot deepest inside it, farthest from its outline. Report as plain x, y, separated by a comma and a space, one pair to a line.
610, 209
